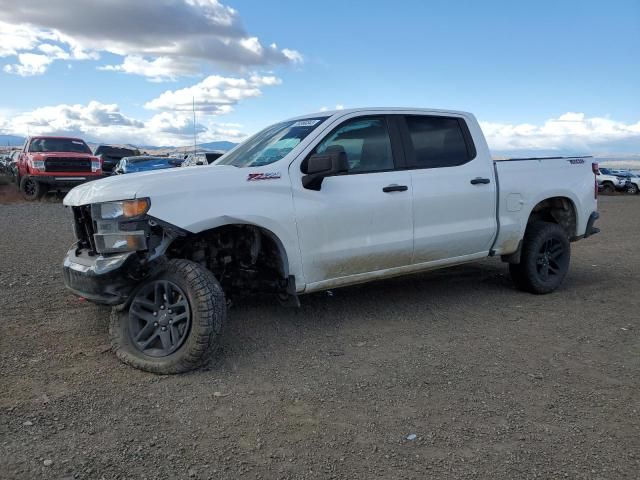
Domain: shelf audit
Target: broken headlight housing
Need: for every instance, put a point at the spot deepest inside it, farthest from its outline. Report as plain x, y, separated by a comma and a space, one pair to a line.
120, 225
120, 210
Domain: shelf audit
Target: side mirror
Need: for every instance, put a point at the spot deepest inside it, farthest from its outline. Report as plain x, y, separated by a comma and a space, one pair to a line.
321, 165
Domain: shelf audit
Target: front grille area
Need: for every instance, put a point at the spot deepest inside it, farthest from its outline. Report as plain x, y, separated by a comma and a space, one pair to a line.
84, 228
62, 164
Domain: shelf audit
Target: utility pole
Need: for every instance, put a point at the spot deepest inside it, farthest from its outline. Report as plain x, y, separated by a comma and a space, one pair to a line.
195, 144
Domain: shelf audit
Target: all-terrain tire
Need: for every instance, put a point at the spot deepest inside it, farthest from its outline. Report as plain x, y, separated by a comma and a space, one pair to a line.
207, 308
31, 189
545, 258
633, 189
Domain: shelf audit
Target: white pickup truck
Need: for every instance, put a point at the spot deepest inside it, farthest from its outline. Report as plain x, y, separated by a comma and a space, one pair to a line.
314, 203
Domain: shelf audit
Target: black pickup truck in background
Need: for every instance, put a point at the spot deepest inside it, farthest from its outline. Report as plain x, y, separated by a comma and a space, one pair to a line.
112, 154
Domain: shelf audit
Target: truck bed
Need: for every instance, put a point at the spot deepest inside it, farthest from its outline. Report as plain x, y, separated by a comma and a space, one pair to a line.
524, 182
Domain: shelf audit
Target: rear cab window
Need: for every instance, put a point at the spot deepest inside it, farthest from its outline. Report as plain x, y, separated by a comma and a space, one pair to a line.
437, 141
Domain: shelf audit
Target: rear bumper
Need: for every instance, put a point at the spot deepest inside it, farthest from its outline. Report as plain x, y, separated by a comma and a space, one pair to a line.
591, 229
108, 280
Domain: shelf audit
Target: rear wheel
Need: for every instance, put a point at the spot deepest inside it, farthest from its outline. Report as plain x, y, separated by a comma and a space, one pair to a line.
545, 258
633, 188
608, 188
31, 189
174, 321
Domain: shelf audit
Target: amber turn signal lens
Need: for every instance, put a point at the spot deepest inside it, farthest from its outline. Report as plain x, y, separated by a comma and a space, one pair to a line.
135, 208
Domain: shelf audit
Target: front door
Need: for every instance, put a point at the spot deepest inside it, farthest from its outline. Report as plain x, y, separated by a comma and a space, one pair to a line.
361, 221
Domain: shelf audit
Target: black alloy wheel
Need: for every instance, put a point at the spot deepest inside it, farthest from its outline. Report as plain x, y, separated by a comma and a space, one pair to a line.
544, 259
159, 318
551, 259
31, 189
173, 322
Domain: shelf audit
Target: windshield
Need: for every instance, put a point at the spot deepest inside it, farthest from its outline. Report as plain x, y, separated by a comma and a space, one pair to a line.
58, 145
271, 144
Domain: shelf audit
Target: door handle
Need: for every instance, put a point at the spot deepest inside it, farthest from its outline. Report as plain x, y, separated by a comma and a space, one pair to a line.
480, 181
395, 188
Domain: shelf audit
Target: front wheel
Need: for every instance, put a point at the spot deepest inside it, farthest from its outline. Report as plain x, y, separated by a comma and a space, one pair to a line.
544, 261
31, 189
633, 189
173, 322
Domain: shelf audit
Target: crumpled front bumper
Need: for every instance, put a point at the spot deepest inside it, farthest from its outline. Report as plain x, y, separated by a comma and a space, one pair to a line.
107, 280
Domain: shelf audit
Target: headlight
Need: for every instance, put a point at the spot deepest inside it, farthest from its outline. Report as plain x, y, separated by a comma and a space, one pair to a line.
38, 164
95, 165
121, 210
117, 227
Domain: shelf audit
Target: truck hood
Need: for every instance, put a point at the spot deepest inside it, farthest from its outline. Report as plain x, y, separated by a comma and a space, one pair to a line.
147, 184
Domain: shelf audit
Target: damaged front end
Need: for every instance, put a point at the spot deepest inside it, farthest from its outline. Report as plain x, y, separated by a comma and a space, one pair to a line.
118, 245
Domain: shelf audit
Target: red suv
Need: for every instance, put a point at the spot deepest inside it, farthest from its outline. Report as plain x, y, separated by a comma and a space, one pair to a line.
55, 163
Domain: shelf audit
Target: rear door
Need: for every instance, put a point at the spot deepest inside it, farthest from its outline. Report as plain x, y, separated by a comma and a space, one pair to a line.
454, 189
361, 221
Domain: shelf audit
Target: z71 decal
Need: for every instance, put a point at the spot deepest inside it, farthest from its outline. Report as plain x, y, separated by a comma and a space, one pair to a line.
252, 177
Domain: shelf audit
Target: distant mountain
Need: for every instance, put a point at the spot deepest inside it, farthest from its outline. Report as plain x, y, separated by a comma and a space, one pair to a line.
223, 145
11, 141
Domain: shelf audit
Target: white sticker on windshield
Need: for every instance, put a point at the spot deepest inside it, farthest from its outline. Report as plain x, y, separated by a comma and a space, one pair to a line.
76, 142
305, 123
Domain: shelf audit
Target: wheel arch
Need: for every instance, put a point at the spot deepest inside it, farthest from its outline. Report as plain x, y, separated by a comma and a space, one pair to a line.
236, 242
558, 209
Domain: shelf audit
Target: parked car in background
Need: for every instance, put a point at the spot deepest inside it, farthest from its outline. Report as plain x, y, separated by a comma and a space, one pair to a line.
315, 203
54, 163
632, 179
112, 154
4, 162
12, 166
145, 163
609, 182
8, 163
202, 158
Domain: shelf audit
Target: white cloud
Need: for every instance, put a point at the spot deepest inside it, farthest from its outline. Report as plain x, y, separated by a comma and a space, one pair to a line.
106, 123
34, 50
16, 38
570, 131
29, 64
157, 70
158, 39
214, 95
339, 106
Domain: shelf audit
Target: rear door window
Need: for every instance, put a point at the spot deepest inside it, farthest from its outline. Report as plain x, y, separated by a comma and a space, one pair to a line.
435, 142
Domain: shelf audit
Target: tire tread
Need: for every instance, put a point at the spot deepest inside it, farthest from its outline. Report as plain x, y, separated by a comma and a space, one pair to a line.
522, 273
210, 306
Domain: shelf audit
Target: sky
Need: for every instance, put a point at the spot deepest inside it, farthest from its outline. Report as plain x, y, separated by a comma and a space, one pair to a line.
541, 76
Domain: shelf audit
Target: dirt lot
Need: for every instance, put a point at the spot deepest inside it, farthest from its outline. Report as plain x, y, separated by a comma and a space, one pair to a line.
494, 383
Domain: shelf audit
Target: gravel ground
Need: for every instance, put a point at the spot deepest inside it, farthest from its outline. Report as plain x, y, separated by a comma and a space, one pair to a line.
450, 374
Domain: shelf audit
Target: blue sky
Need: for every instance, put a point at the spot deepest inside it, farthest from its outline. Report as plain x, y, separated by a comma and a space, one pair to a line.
561, 72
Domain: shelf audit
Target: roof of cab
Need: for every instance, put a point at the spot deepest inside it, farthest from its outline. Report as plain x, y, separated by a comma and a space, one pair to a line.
346, 111
55, 137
